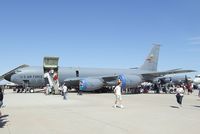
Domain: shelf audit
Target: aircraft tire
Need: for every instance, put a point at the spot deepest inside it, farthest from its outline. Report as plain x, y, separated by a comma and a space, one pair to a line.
31, 90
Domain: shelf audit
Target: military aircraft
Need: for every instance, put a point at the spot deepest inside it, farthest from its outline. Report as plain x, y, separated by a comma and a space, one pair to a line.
90, 79
196, 81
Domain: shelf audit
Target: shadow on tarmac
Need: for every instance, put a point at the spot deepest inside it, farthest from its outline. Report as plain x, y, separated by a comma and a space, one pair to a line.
174, 106
196, 106
3, 120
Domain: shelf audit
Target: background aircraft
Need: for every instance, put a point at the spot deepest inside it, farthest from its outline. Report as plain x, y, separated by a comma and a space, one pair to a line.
196, 81
173, 79
90, 79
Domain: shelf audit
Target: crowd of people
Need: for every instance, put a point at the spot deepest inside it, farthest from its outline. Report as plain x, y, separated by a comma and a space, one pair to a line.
170, 87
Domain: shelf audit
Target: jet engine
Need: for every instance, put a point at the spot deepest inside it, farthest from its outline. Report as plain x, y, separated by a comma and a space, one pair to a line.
162, 80
90, 84
174, 79
129, 81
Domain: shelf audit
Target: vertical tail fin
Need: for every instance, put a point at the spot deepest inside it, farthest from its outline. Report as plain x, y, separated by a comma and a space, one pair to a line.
151, 61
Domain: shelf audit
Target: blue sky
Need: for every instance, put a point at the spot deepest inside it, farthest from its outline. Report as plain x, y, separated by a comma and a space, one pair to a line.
99, 33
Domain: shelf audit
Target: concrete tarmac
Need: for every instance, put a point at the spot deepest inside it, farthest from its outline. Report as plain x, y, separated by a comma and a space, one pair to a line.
36, 113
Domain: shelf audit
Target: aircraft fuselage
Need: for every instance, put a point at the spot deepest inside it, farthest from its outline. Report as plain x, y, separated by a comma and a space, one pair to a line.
35, 75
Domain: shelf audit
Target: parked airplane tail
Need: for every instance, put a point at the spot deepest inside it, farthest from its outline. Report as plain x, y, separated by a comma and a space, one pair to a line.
151, 61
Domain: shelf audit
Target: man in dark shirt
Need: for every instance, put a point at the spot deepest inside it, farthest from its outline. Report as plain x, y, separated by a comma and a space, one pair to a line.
1, 97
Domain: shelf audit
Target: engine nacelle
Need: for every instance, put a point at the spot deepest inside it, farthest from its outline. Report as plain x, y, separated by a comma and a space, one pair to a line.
168, 79
130, 81
162, 80
90, 84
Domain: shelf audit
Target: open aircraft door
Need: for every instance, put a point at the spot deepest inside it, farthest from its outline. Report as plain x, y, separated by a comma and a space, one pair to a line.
50, 66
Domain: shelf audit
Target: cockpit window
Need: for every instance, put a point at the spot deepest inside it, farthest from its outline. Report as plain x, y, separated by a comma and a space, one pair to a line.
18, 71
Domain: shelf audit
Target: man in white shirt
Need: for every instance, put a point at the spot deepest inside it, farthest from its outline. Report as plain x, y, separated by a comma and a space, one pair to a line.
179, 94
118, 95
64, 92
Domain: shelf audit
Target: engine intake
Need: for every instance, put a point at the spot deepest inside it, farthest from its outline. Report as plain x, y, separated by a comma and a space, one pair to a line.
90, 84
129, 81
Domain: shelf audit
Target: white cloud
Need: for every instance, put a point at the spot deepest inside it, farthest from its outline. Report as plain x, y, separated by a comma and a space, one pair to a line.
192, 50
194, 40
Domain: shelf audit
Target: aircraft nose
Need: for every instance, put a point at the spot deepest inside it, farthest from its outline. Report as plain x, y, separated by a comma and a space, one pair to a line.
8, 76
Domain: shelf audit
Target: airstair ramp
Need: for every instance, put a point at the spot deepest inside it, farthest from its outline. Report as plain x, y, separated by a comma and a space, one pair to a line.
50, 65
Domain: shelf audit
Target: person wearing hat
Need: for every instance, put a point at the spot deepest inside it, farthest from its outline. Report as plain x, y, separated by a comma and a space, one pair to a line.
118, 95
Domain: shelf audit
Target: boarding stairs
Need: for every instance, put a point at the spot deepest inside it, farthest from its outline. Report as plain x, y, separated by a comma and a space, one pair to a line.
50, 65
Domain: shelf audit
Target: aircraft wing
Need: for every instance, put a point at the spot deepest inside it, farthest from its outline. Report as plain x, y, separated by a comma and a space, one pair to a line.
92, 83
109, 78
173, 71
104, 78
75, 81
